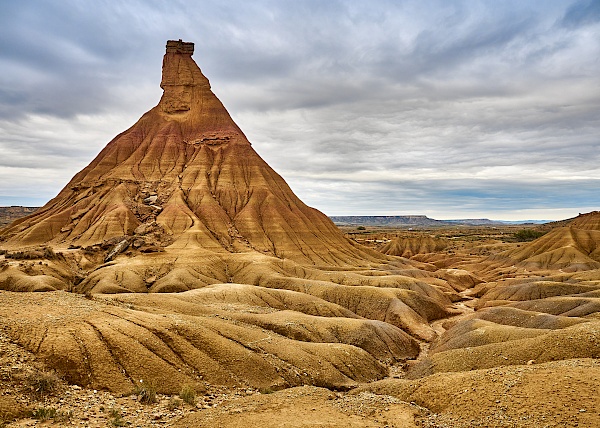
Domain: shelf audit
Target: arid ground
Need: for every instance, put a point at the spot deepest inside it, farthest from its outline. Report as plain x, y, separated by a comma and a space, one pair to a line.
517, 347
178, 281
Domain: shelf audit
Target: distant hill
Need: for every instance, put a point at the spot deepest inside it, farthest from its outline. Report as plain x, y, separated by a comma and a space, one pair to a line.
389, 221
488, 222
570, 245
10, 214
420, 221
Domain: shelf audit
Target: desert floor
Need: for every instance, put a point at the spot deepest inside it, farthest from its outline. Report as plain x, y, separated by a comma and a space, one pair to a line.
517, 350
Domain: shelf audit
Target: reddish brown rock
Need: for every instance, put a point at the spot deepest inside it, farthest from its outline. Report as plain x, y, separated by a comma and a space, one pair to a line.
188, 167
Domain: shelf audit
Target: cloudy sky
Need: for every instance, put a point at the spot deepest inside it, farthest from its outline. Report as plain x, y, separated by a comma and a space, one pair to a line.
452, 109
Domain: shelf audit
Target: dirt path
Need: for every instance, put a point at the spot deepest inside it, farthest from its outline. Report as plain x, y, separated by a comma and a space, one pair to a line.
399, 371
308, 406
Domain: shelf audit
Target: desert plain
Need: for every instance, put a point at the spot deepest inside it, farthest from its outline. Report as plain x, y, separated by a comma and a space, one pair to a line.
178, 281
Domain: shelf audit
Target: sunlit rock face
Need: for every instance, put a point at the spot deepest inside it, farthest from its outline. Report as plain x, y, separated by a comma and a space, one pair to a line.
187, 174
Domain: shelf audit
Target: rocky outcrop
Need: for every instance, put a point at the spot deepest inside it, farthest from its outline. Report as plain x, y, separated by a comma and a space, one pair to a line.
186, 166
571, 247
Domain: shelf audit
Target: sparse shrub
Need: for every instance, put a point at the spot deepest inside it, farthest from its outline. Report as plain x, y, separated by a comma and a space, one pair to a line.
61, 416
42, 382
44, 413
25, 255
32, 254
49, 253
188, 394
361, 228
116, 418
146, 392
526, 235
174, 403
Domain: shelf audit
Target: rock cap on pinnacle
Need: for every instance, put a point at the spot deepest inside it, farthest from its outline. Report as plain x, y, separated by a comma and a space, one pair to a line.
180, 47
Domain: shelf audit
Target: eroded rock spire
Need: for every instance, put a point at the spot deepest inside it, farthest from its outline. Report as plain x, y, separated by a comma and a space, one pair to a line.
210, 190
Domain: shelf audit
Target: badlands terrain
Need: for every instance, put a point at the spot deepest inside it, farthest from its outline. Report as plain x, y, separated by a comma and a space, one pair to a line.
178, 281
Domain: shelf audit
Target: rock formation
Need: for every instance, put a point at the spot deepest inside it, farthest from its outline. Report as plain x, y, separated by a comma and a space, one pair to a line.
258, 288
186, 173
572, 247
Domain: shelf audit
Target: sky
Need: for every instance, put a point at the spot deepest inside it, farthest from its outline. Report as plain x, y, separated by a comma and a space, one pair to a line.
450, 109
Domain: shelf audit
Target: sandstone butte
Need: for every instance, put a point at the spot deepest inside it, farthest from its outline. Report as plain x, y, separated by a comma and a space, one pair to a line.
179, 257
185, 169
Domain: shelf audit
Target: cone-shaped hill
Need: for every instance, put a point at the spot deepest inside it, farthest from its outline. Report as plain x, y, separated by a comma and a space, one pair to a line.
185, 172
183, 194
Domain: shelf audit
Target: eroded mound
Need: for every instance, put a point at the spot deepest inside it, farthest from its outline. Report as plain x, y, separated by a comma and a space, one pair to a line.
111, 344
556, 394
307, 407
408, 247
569, 248
520, 321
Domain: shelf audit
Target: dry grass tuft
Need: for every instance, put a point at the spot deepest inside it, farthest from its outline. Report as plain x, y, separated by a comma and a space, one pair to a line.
188, 394
146, 392
43, 382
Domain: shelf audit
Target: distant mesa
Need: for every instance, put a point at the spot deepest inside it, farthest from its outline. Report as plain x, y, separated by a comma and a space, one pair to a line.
419, 221
12, 213
388, 221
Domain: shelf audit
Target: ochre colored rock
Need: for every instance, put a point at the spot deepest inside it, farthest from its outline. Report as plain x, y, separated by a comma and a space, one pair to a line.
188, 167
573, 247
218, 271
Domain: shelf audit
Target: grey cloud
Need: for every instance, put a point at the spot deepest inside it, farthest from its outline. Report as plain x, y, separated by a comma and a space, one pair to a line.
582, 13
386, 107
445, 198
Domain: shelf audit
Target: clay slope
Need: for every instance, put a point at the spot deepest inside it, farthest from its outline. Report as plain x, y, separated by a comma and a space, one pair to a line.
574, 247
187, 174
408, 247
553, 394
226, 335
521, 321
